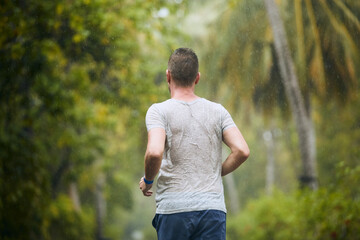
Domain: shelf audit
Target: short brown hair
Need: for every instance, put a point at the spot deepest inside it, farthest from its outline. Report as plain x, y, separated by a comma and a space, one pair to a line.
183, 66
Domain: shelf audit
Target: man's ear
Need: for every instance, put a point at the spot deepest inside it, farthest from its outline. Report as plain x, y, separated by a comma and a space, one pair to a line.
168, 76
197, 79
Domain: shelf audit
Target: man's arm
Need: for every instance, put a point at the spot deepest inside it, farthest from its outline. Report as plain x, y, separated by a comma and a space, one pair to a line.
153, 157
239, 150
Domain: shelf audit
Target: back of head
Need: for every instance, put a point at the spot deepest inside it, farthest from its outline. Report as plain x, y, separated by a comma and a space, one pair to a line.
183, 65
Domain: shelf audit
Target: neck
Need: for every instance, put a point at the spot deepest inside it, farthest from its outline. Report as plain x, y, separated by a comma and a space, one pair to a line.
186, 94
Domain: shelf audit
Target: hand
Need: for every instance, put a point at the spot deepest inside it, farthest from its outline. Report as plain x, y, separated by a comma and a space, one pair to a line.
145, 188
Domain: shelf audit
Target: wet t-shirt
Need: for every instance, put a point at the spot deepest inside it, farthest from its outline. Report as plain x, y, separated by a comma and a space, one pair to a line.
190, 174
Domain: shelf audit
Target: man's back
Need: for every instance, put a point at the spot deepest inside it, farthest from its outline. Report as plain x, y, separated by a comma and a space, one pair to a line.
190, 173
185, 135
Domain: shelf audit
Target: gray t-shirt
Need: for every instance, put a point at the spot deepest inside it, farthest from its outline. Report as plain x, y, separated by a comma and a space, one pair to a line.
190, 175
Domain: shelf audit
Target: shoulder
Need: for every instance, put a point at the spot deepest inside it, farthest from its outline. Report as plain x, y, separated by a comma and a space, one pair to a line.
214, 105
159, 109
210, 103
155, 116
159, 106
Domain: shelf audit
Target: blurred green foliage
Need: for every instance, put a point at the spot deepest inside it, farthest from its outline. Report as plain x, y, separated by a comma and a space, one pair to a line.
76, 78
329, 213
76, 81
62, 222
324, 46
242, 73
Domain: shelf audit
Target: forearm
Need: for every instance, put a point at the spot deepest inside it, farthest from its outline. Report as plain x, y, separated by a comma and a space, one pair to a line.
154, 152
232, 162
239, 150
152, 165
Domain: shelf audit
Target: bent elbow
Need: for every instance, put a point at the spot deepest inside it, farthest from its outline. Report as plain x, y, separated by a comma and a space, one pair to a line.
243, 154
154, 154
246, 153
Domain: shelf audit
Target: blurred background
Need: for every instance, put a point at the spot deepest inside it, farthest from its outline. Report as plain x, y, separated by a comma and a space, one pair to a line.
76, 80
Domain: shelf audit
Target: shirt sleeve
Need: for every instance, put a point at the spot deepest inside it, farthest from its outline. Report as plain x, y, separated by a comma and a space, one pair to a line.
226, 119
154, 118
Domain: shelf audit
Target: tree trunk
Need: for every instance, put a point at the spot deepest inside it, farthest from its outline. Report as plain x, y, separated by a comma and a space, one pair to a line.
233, 196
292, 90
270, 165
74, 196
61, 170
100, 206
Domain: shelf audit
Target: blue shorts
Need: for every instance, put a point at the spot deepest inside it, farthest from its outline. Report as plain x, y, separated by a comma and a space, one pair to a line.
208, 224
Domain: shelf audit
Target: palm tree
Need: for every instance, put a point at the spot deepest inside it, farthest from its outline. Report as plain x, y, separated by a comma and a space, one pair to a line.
323, 45
292, 90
